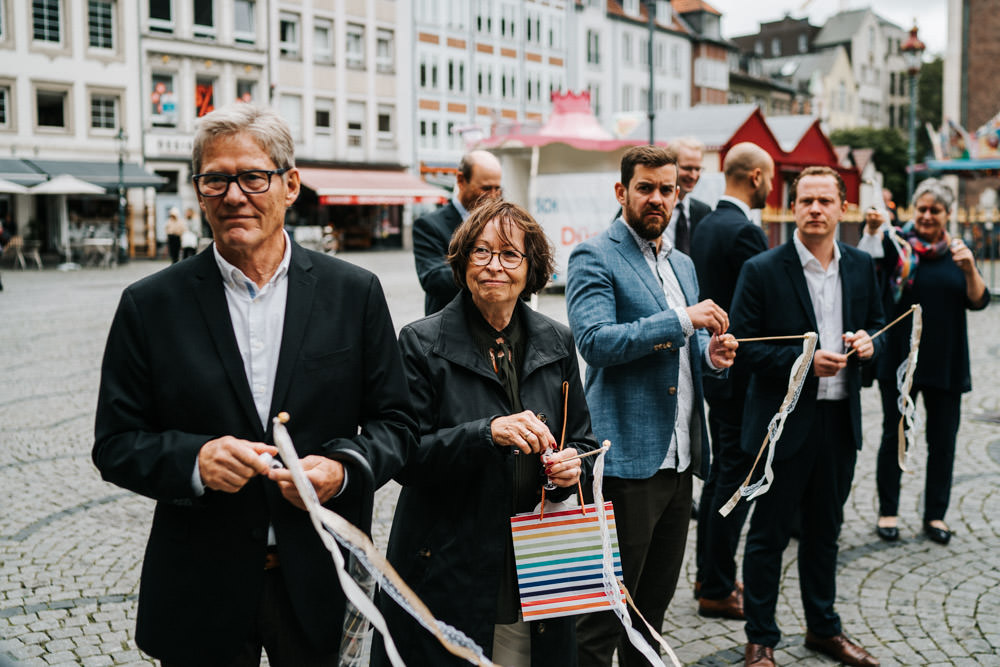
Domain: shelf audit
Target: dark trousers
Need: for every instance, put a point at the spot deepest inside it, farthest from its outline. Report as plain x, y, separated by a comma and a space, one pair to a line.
818, 478
719, 536
943, 410
277, 632
174, 247
651, 518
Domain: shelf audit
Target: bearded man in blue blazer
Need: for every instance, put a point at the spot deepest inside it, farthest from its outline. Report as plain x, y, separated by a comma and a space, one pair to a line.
634, 310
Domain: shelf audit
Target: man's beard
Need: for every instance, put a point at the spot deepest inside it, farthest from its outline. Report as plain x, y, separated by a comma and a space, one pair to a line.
647, 227
759, 198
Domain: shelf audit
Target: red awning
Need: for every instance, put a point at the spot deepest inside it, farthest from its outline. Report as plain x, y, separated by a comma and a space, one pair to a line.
368, 187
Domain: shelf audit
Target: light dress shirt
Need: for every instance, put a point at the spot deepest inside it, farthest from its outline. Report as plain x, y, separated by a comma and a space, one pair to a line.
679, 452
461, 209
828, 306
739, 203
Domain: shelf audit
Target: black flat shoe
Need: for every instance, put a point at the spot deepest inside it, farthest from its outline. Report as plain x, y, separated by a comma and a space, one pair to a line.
939, 535
887, 533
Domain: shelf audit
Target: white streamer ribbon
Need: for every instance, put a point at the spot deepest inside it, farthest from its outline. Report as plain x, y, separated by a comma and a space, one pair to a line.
614, 588
908, 422
333, 529
796, 380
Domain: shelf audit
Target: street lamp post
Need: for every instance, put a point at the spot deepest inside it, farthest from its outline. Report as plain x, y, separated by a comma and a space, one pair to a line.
122, 255
913, 51
651, 13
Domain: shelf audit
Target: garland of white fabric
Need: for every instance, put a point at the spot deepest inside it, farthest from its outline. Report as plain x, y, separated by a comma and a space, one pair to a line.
904, 383
614, 588
796, 380
333, 529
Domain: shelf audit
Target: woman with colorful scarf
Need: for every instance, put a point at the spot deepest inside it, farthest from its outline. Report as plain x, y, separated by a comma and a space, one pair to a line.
921, 263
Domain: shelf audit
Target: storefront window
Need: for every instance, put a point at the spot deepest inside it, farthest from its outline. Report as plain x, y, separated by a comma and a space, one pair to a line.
163, 101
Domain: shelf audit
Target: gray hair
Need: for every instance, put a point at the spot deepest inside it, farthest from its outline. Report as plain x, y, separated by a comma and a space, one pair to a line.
936, 188
267, 128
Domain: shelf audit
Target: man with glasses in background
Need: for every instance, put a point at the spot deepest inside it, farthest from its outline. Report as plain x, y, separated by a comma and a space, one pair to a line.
200, 357
689, 211
479, 177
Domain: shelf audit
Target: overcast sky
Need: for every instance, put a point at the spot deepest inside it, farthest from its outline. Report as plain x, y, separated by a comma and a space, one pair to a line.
741, 17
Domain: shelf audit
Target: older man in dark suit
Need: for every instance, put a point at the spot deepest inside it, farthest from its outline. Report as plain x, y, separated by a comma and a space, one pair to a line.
479, 177
811, 283
199, 358
724, 240
689, 211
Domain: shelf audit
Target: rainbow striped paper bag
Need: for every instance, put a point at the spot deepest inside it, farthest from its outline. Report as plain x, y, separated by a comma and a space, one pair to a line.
559, 562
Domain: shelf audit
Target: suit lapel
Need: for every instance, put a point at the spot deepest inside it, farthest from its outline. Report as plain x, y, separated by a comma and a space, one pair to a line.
847, 272
301, 290
210, 294
633, 257
793, 269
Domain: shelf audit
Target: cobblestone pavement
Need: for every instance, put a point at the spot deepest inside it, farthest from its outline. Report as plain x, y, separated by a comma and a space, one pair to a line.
71, 545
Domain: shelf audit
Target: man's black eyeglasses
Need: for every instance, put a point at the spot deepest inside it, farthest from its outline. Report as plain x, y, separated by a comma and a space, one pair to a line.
251, 182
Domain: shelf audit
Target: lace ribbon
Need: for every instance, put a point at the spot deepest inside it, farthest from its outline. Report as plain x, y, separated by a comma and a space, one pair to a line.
614, 588
333, 529
796, 380
908, 421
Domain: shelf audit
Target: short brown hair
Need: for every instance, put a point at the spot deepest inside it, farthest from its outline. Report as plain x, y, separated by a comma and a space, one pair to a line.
537, 248
819, 171
647, 156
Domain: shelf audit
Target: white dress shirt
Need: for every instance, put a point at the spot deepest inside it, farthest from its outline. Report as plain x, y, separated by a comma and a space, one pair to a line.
828, 306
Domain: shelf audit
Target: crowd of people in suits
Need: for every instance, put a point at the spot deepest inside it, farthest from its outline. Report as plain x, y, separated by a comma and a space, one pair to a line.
480, 412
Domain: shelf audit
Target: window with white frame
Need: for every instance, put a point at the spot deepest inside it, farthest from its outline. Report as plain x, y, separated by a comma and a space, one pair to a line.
660, 56
246, 90
5, 120
626, 97
290, 107
101, 24
204, 18
803, 43
675, 59
385, 51
354, 51
161, 16
50, 108
204, 95
3, 21
631, 7
244, 21
644, 52
675, 101
456, 76
384, 118
45, 21
103, 112
627, 48
356, 124
163, 100
595, 97
323, 116
288, 35
323, 41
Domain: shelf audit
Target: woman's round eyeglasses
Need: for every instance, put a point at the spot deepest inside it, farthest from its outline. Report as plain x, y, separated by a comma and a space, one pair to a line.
251, 182
509, 259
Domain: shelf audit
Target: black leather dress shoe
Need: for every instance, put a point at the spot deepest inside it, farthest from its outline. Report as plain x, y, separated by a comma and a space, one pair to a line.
939, 535
887, 533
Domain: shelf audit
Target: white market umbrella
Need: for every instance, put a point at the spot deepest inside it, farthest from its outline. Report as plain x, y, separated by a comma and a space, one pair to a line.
11, 188
64, 184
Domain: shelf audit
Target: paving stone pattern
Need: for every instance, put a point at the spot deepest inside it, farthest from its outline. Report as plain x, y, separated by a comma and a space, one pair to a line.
71, 545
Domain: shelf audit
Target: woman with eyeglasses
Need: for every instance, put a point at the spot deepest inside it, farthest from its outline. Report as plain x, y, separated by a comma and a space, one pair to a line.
921, 263
489, 378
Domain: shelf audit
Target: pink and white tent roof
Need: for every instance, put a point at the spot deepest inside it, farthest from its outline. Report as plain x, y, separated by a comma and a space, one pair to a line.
572, 122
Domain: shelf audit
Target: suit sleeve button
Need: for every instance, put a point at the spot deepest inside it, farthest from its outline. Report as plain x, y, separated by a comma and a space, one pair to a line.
672, 390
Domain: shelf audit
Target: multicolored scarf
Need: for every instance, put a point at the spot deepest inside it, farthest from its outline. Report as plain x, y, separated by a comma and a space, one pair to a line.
910, 250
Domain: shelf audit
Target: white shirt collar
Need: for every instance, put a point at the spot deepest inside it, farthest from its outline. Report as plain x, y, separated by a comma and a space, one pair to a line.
739, 203
235, 277
806, 256
458, 207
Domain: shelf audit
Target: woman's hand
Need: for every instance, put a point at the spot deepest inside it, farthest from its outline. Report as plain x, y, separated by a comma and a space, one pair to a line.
524, 431
561, 472
962, 256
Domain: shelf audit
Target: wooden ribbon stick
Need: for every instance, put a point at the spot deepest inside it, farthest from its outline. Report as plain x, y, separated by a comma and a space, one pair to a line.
334, 529
796, 380
770, 338
913, 308
906, 433
562, 442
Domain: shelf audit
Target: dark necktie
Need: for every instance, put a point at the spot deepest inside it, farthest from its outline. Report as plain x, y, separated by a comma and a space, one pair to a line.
682, 238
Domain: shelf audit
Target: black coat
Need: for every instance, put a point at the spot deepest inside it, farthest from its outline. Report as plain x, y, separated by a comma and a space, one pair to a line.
431, 236
452, 524
697, 211
725, 239
173, 379
772, 299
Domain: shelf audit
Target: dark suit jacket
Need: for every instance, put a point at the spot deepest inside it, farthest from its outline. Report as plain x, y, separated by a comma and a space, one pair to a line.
772, 299
431, 236
173, 379
724, 240
698, 210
